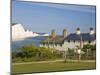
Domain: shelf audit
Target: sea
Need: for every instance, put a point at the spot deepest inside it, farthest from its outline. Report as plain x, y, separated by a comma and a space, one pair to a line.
28, 41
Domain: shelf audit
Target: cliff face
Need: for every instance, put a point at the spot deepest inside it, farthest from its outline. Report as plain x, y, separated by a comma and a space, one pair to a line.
19, 33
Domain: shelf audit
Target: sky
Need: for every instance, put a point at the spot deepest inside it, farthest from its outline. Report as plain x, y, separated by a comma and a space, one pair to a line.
44, 17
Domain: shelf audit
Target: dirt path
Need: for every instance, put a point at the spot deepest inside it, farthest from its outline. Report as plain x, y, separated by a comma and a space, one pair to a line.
54, 61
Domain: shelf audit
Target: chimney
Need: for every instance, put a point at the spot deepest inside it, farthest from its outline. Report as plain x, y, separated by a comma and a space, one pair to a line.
53, 34
78, 31
65, 33
92, 31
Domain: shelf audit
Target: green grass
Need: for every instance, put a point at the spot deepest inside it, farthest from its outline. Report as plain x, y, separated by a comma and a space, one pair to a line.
50, 67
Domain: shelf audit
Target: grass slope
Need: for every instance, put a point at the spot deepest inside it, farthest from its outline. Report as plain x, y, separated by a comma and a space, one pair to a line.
50, 67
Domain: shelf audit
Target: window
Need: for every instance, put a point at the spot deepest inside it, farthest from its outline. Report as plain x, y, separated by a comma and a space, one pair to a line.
74, 41
68, 41
89, 41
83, 41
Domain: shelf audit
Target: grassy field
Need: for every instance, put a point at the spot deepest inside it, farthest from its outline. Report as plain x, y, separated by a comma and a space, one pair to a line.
52, 66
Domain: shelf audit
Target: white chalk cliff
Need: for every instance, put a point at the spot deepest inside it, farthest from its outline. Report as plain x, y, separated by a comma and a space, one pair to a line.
19, 33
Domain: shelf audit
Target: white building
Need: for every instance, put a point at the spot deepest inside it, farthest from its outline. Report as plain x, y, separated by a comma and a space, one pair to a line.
79, 39
72, 40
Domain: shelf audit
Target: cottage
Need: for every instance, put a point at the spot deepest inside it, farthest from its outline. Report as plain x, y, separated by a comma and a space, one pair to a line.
80, 39
71, 40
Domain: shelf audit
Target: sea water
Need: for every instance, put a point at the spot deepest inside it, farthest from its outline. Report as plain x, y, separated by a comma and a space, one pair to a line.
28, 41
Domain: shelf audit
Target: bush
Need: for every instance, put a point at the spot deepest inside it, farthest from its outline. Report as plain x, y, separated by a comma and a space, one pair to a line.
30, 52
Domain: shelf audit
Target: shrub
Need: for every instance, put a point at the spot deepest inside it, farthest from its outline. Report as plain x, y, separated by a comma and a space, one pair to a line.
37, 53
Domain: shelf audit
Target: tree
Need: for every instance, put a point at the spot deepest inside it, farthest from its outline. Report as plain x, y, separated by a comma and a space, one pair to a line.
45, 53
93, 49
88, 47
13, 55
28, 50
38, 53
